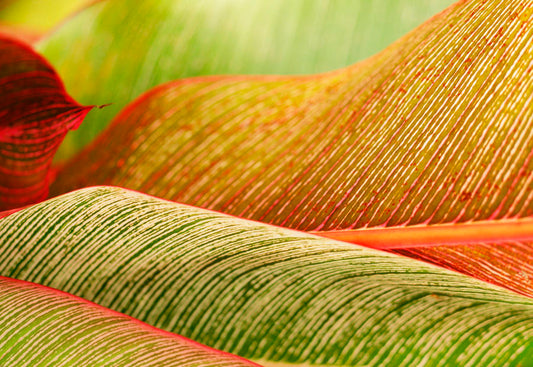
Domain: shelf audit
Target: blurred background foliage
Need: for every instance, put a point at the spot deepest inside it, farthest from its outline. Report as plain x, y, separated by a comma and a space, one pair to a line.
114, 50
37, 15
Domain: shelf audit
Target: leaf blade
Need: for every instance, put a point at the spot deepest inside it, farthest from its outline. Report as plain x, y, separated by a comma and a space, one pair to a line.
263, 292
45, 327
230, 37
347, 149
36, 113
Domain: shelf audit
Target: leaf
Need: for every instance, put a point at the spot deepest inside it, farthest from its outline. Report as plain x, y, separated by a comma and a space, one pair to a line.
35, 114
499, 252
126, 47
409, 137
262, 292
44, 327
438, 128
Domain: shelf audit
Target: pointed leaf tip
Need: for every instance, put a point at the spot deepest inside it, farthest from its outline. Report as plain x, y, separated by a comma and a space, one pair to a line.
35, 114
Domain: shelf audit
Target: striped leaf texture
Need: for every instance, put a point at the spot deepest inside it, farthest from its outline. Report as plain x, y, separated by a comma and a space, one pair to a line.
266, 293
499, 252
40, 326
506, 263
436, 129
35, 114
125, 47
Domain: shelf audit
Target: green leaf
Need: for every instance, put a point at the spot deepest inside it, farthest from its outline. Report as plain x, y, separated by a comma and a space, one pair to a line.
41, 326
496, 251
115, 50
262, 292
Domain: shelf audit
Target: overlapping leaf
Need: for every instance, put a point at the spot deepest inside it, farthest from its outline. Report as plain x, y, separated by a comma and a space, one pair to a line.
499, 252
40, 326
263, 292
125, 47
35, 114
438, 128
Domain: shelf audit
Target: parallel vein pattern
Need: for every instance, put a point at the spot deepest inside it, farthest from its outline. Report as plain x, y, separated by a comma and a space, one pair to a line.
40, 326
496, 251
262, 292
438, 128
35, 115
508, 264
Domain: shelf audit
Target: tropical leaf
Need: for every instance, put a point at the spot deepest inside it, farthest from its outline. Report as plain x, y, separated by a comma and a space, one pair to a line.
125, 47
438, 128
35, 114
40, 326
498, 252
263, 292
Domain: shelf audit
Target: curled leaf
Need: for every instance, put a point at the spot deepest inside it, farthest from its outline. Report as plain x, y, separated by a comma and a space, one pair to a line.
263, 292
35, 115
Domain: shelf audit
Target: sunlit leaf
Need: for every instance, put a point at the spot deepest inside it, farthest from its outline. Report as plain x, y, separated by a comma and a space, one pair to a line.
35, 114
40, 326
124, 47
436, 129
263, 292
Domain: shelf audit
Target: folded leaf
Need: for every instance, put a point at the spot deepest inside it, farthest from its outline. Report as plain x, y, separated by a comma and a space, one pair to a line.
35, 114
41, 326
126, 47
263, 292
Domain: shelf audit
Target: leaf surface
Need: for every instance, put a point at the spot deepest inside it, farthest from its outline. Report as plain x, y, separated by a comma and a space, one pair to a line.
433, 130
438, 128
262, 292
35, 114
41, 326
126, 47
37, 16
499, 252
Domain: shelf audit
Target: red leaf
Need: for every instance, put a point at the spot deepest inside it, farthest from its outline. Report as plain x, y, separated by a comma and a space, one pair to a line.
35, 114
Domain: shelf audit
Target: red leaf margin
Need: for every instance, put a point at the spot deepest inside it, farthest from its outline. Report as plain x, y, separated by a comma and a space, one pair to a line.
35, 114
